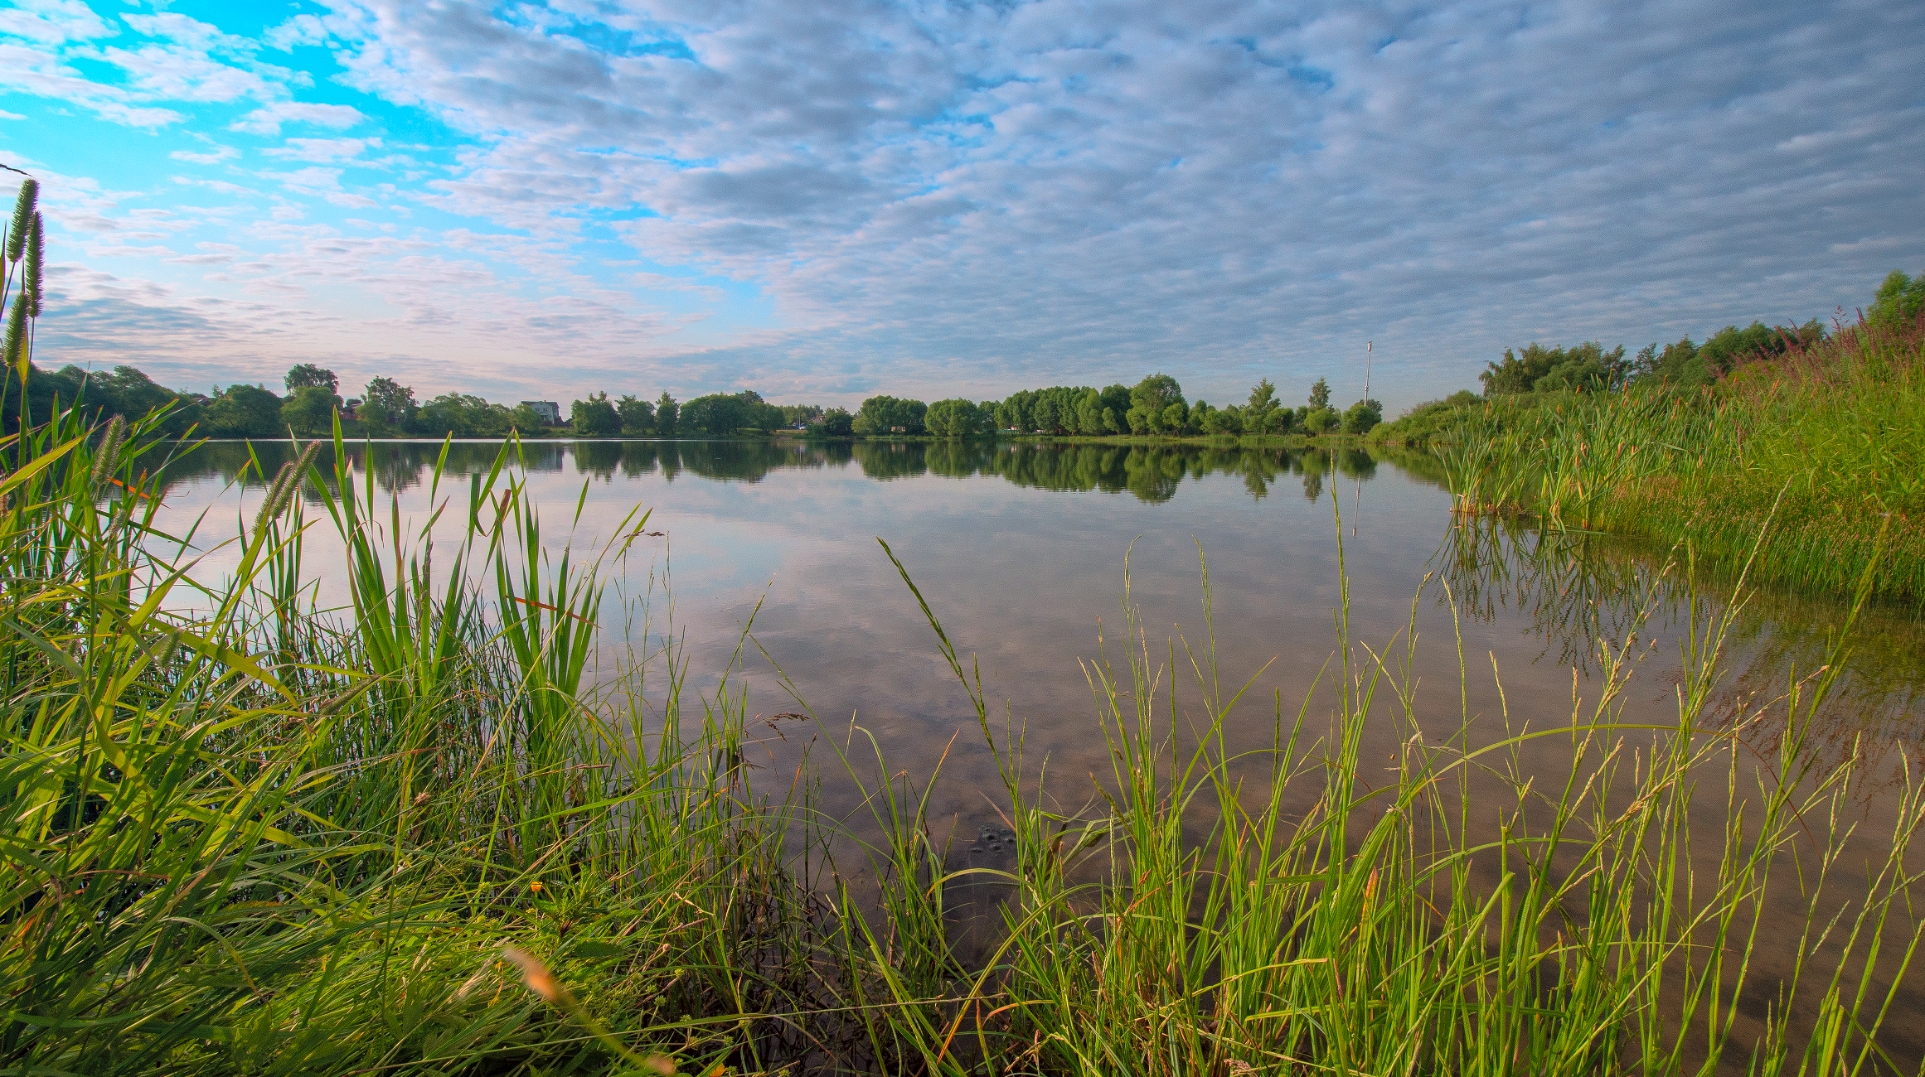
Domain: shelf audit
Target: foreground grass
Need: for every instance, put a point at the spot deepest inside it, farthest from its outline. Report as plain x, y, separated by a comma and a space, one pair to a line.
1822, 451
246, 836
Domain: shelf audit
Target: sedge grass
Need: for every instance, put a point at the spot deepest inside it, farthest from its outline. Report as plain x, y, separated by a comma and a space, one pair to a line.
1821, 450
246, 835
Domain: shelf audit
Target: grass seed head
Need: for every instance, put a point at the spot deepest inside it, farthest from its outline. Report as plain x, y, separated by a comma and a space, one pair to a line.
22, 216
536, 975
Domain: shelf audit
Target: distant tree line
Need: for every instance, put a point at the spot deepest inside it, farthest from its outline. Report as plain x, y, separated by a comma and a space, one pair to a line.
1154, 406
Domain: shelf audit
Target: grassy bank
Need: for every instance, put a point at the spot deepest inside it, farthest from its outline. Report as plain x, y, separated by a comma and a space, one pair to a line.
247, 833
1826, 444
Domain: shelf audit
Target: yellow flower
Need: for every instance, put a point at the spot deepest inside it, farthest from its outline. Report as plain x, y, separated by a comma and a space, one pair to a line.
535, 886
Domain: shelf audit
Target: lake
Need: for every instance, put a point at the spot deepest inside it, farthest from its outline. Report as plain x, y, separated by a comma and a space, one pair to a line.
768, 551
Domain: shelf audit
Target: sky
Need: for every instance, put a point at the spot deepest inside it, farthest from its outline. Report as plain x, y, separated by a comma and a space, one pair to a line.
827, 201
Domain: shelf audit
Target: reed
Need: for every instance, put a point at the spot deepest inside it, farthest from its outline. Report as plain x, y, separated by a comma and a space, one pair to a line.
1821, 450
248, 833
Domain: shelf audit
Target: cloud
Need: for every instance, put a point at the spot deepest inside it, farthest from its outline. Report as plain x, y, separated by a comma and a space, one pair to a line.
213, 157
323, 149
976, 198
34, 71
53, 22
268, 119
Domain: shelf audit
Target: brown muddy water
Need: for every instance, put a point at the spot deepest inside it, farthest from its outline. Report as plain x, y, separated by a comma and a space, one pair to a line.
769, 551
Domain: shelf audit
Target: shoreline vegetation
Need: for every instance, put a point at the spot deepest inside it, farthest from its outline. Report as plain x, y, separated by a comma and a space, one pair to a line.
1814, 440
252, 834
409, 831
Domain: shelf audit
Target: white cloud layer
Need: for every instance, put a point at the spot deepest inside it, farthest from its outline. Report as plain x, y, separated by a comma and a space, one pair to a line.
954, 197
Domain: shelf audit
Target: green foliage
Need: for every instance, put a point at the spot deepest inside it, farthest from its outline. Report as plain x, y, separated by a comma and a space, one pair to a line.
463, 416
1431, 420
667, 416
1581, 368
1320, 395
958, 418
244, 411
1218, 910
524, 419
801, 415
1688, 365
310, 411
125, 392
884, 415
594, 417
833, 423
1360, 417
1151, 401
387, 407
308, 375
1822, 456
637, 416
246, 835
722, 414
1899, 302
1320, 421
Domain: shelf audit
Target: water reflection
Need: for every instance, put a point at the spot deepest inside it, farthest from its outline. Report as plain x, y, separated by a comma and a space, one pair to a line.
1576, 590
1151, 474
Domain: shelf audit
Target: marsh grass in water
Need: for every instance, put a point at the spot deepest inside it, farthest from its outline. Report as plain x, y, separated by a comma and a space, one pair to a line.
250, 834
1819, 449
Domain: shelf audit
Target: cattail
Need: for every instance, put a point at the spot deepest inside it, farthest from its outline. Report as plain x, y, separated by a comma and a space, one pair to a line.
22, 215
33, 267
109, 451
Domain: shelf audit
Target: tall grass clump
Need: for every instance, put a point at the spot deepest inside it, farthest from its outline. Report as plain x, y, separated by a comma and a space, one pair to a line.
244, 835
1821, 449
1314, 907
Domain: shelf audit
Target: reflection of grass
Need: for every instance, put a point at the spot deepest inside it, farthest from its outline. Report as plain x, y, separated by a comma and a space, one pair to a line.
265, 839
1579, 588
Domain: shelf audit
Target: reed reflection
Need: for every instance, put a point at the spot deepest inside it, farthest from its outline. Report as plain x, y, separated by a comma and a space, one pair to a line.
1580, 590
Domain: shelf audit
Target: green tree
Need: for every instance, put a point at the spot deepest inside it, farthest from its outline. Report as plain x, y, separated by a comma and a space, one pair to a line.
1583, 367
387, 407
463, 416
1361, 416
800, 414
833, 423
1321, 421
244, 411
1320, 395
310, 376
1262, 414
1225, 420
1150, 400
667, 415
523, 419
594, 417
637, 415
310, 411
1899, 303
883, 415
957, 418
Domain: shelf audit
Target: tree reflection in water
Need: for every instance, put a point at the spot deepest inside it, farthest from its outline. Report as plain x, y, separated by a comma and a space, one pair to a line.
1151, 473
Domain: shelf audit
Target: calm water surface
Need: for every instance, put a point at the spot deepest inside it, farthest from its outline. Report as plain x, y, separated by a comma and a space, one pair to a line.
1020, 550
